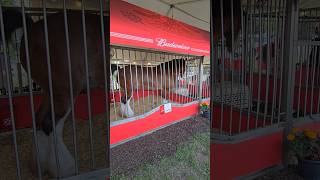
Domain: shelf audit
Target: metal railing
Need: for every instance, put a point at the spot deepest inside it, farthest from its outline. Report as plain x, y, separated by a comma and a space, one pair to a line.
142, 80
56, 51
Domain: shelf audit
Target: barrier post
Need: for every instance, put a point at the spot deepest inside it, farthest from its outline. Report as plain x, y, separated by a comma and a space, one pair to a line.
200, 79
290, 38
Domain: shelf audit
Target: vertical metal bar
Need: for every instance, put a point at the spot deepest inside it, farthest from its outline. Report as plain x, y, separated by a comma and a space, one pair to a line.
313, 78
84, 31
161, 76
222, 63
165, 79
200, 72
232, 72
289, 56
118, 77
186, 75
260, 62
18, 168
147, 77
113, 96
131, 82
137, 82
268, 64
172, 75
66, 28
180, 78
306, 82
44, 10
125, 79
177, 77
152, 80
169, 78
20, 90
157, 81
106, 64
275, 67
251, 11
34, 126
143, 100
284, 5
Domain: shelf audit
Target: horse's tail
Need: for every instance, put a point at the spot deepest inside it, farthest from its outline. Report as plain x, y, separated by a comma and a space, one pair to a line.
12, 20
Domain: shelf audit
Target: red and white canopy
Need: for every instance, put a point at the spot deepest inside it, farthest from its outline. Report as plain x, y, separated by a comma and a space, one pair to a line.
131, 25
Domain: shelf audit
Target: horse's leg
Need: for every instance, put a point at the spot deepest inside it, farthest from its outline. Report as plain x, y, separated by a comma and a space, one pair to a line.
125, 104
66, 162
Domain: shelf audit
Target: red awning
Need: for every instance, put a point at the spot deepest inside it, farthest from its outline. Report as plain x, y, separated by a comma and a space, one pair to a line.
134, 26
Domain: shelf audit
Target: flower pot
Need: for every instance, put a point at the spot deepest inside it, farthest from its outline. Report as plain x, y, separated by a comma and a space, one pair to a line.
309, 169
205, 114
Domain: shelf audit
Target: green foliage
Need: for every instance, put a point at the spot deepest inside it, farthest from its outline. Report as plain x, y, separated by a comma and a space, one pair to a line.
305, 145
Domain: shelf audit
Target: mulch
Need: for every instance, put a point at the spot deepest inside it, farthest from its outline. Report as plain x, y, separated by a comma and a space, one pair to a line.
127, 157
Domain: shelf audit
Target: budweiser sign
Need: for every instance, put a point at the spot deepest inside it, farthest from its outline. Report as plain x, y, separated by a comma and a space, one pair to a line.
161, 42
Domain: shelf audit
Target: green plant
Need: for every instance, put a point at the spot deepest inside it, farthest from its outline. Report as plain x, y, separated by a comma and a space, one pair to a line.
304, 144
204, 107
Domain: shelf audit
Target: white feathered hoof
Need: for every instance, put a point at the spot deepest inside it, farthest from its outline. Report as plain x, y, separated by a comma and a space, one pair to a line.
43, 149
65, 159
126, 109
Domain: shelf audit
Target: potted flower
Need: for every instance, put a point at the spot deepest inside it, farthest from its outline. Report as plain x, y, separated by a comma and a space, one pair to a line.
204, 109
305, 145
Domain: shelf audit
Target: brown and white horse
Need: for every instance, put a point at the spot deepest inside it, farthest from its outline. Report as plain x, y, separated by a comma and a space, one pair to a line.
161, 77
57, 49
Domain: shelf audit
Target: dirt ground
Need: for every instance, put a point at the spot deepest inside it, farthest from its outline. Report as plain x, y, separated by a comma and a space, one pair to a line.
25, 141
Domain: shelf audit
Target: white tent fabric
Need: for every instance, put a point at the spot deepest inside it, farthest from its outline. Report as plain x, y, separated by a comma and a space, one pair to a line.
194, 12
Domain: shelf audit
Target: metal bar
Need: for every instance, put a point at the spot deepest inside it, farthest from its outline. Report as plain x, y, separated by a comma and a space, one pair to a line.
251, 62
131, 82
260, 61
118, 76
34, 126
232, 70
312, 81
84, 31
50, 84
147, 68
143, 100
268, 63
125, 81
66, 28
169, 79
18, 64
275, 67
157, 82
306, 83
200, 72
289, 55
152, 80
222, 63
113, 96
284, 5
18, 168
137, 88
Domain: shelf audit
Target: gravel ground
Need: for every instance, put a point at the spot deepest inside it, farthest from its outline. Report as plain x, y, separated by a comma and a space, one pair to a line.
125, 158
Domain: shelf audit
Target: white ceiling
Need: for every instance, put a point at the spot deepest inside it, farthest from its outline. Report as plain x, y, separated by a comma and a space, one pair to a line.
196, 12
